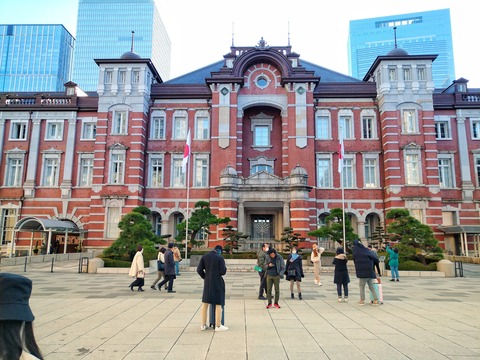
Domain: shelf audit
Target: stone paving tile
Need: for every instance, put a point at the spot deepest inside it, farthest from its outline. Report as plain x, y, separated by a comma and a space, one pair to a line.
96, 316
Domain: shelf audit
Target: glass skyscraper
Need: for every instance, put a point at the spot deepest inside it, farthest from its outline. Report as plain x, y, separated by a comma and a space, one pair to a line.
35, 58
104, 31
422, 33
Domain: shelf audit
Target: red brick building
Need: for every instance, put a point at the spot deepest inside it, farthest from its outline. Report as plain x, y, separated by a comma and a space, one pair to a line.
265, 130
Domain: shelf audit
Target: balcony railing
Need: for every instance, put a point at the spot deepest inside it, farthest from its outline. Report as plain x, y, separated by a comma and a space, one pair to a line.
37, 101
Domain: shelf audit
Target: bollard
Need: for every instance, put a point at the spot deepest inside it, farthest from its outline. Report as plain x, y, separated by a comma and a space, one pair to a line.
25, 266
51, 270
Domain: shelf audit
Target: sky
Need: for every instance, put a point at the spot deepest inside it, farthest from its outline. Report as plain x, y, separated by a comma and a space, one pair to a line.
201, 32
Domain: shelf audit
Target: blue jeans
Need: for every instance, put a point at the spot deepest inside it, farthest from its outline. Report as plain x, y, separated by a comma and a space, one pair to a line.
394, 271
177, 267
345, 289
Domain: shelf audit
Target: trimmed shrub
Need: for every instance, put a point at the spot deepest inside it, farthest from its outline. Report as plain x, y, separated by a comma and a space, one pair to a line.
115, 263
417, 266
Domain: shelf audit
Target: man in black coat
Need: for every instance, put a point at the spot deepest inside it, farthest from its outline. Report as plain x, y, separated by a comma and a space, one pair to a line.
169, 269
364, 260
211, 268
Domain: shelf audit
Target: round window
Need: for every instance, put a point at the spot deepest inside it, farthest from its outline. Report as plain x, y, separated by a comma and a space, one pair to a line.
262, 82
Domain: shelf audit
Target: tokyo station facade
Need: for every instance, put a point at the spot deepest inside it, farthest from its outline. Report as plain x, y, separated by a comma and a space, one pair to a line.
265, 128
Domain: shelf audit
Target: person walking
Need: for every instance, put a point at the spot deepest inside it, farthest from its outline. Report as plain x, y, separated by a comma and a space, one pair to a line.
364, 261
17, 339
177, 257
340, 275
393, 262
211, 269
316, 259
160, 268
137, 270
294, 271
262, 259
169, 274
275, 271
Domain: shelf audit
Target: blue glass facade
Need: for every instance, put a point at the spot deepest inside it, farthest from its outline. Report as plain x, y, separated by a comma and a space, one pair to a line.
35, 58
422, 33
104, 32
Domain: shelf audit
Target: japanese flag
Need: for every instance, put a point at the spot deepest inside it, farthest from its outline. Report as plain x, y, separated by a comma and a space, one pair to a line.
186, 152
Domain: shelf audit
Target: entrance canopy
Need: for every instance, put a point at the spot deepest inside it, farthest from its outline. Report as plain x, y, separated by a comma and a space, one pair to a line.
40, 224
459, 229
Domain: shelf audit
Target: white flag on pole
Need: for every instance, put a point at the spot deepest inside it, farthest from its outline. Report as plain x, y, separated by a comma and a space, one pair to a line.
341, 153
186, 153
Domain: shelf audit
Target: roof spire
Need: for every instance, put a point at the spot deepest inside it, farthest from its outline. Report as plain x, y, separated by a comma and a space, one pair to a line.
288, 33
233, 33
133, 34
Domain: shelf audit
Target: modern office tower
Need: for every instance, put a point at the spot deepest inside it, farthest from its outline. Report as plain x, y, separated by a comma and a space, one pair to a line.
104, 31
420, 33
35, 58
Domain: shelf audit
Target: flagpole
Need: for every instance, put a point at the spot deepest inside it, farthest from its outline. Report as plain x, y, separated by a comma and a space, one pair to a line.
341, 155
188, 206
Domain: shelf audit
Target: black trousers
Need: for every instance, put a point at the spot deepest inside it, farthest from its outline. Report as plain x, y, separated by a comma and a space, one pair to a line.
263, 284
169, 279
138, 282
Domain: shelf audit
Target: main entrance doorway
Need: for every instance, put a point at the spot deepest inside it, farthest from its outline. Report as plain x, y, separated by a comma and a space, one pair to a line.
261, 230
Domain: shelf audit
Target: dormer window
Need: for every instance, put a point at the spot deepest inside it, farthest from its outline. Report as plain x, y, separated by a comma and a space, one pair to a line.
392, 73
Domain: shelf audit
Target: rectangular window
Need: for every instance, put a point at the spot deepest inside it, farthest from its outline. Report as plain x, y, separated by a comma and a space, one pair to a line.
89, 130
322, 127
201, 172
445, 172
86, 170
117, 168
8, 221
370, 173
135, 76
158, 128
156, 171
261, 135
113, 218
54, 130
368, 127
412, 169
119, 126
348, 173
409, 121
202, 128
14, 173
324, 173
407, 74
178, 177
50, 171
392, 73
122, 77
108, 76
477, 169
18, 130
476, 128
346, 125
421, 74
179, 128
442, 130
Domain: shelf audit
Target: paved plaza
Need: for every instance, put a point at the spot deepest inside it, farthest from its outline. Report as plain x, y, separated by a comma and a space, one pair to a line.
96, 316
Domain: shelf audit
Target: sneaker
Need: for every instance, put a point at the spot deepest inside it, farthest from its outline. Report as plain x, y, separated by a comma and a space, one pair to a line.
316, 282
345, 300
262, 298
375, 302
361, 302
221, 328
277, 306
203, 327
398, 280
153, 287
269, 306
392, 280
339, 299
319, 283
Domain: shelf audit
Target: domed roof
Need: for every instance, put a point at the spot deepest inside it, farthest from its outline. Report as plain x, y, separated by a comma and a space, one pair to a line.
298, 170
397, 52
130, 55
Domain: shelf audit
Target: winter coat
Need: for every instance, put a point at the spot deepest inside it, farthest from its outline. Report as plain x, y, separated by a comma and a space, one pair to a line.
262, 260
279, 264
393, 257
169, 263
211, 269
137, 264
340, 276
27, 356
177, 256
364, 260
294, 265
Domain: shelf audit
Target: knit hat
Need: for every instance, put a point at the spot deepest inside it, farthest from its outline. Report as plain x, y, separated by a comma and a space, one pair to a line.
219, 247
15, 292
340, 250
170, 245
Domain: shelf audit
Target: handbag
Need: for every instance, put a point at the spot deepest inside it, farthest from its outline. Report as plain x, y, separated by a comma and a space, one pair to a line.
140, 275
291, 272
160, 265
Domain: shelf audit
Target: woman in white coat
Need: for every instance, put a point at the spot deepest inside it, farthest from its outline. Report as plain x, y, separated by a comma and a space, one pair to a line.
315, 256
137, 270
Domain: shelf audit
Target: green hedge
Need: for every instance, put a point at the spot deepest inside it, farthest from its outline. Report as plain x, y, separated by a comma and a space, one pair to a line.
417, 266
116, 263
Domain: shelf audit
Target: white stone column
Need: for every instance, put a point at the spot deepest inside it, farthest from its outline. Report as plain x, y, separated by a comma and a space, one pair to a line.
66, 184
241, 217
33, 152
467, 185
